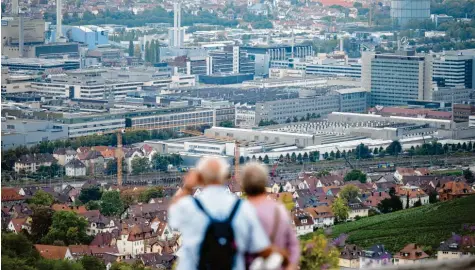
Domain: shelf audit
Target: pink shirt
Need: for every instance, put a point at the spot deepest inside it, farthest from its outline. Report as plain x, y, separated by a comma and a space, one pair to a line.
285, 236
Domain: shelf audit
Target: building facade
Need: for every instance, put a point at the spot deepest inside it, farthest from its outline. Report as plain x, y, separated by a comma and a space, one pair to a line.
395, 79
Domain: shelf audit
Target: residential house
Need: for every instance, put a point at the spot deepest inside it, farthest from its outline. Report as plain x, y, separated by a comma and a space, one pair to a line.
31, 162
17, 224
357, 209
106, 151
105, 239
11, 196
273, 188
157, 261
303, 222
144, 209
129, 155
79, 251
454, 189
401, 172
101, 224
64, 207
350, 256
72, 192
75, 168
456, 247
414, 193
148, 151
374, 198
322, 216
54, 252
64, 155
134, 239
93, 160
376, 256
410, 254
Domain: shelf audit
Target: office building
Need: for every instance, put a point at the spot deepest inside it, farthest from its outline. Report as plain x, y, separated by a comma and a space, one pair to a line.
454, 69
324, 101
395, 79
451, 95
38, 64
404, 11
232, 59
264, 54
462, 112
351, 70
224, 111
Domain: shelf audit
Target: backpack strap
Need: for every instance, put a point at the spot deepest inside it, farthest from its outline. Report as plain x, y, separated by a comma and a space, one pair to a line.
233, 212
200, 206
276, 224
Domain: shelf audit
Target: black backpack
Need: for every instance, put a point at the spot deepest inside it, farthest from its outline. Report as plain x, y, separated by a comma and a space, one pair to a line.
218, 249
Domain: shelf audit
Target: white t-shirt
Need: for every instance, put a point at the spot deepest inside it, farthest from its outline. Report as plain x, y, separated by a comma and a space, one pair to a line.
187, 218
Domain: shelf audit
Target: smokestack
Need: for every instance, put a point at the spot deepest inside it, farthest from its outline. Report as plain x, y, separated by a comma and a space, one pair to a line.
21, 36
341, 44
59, 20
14, 7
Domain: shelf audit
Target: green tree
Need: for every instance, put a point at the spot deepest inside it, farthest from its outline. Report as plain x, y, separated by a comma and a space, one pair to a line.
338, 154
111, 204
92, 193
394, 148
92, 263
305, 157
18, 246
295, 119
140, 165
228, 124
131, 48
362, 151
41, 221
318, 253
375, 151
293, 157
349, 192
391, 204
93, 205
340, 209
69, 227
16, 263
288, 120
59, 264
154, 192
468, 175
266, 159
241, 160
42, 198
418, 203
355, 175
299, 157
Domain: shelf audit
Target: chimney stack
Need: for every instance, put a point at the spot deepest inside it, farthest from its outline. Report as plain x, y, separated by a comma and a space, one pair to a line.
14, 7
21, 35
59, 20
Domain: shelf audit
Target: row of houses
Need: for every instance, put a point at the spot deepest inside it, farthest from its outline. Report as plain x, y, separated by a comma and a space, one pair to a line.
83, 161
352, 256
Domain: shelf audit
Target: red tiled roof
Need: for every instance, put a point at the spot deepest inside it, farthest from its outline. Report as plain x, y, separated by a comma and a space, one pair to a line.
411, 252
52, 252
10, 194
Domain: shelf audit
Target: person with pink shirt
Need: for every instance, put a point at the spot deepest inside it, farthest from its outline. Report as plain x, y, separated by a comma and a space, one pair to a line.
273, 215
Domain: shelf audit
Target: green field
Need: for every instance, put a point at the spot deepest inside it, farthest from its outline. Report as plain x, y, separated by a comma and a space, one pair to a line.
426, 225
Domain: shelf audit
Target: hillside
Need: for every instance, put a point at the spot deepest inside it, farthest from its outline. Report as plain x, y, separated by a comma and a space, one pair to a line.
426, 225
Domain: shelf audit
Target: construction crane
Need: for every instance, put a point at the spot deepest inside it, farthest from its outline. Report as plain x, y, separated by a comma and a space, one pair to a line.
346, 159
119, 151
237, 144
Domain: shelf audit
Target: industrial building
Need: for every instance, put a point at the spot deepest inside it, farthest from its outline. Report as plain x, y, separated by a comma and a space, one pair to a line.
318, 101
16, 45
454, 69
38, 64
21, 132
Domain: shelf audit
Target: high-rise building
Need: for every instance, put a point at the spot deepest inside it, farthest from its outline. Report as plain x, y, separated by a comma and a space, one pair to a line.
231, 60
454, 69
395, 79
176, 35
404, 11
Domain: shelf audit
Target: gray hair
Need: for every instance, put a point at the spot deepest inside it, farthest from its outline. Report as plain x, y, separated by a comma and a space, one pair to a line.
254, 177
213, 170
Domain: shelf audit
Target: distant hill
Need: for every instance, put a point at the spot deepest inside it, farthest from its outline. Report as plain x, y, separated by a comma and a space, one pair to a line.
426, 225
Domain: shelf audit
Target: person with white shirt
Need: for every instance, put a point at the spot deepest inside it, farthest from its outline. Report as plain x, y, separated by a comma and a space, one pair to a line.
192, 218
